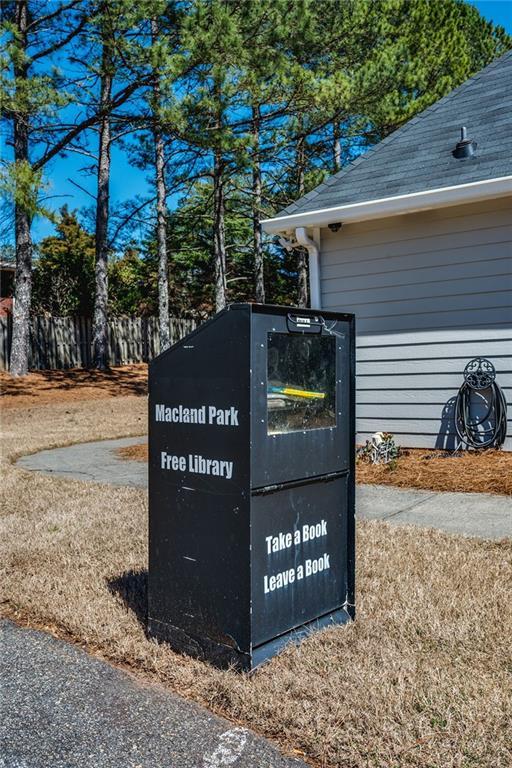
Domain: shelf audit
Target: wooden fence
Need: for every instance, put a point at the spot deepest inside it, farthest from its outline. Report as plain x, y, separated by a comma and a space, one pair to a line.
65, 342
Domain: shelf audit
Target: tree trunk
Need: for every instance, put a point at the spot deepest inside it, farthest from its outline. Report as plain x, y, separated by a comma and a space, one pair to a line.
302, 293
302, 262
100, 330
20, 345
336, 147
23, 278
259, 275
219, 234
161, 197
219, 244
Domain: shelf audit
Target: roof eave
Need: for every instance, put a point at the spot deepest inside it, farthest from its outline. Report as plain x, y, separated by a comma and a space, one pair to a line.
393, 206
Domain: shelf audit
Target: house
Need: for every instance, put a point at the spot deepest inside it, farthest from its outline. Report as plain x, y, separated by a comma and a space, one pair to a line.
415, 238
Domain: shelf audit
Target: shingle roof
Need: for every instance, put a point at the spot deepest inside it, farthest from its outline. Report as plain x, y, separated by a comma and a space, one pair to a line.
418, 156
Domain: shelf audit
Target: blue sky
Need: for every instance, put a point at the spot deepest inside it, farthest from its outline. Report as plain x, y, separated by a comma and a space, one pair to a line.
498, 11
128, 182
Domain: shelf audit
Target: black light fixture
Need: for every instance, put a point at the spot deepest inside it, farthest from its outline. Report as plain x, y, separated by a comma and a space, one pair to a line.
335, 227
465, 147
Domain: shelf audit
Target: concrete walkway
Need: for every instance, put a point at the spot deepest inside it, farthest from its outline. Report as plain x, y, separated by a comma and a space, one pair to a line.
473, 514
62, 708
96, 462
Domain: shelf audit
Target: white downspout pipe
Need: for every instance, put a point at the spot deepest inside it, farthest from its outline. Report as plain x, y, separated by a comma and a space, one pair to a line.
314, 266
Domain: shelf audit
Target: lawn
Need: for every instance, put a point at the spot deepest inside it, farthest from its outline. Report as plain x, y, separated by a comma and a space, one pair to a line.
422, 678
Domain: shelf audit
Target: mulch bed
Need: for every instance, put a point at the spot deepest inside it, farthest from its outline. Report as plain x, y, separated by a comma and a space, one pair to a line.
470, 471
134, 452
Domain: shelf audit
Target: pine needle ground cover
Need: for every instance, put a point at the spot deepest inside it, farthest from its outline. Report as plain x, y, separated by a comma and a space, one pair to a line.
44, 387
422, 678
469, 471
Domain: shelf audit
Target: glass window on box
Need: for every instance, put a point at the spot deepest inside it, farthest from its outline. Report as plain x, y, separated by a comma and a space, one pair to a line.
301, 382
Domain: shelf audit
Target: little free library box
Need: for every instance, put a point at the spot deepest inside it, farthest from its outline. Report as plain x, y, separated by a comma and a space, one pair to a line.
251, 483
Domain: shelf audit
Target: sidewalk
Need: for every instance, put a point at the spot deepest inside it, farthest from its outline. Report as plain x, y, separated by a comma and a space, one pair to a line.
62, 708
484, 515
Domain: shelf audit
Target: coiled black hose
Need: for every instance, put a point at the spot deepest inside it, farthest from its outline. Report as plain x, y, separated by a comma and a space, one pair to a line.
480, 375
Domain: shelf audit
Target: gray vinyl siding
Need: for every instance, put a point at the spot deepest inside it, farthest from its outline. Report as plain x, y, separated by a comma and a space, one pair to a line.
429, 291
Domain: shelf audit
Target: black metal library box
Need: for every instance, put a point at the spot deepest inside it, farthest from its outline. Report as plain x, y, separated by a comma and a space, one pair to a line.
251, 482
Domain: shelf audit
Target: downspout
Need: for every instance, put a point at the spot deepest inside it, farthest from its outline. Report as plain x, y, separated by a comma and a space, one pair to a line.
314, 266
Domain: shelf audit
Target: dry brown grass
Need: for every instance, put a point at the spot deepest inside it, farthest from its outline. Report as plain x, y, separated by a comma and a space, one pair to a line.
421, 679
487, 472
483, 472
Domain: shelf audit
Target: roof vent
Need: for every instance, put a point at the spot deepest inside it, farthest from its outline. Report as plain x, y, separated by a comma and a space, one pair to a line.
465, 147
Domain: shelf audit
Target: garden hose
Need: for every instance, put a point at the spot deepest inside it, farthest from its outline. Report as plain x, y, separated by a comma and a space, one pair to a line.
489, 431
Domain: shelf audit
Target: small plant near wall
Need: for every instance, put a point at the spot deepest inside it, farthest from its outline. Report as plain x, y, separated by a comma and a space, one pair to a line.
379, 449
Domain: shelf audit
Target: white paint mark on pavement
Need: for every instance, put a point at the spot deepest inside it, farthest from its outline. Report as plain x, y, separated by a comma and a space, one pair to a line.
229, 749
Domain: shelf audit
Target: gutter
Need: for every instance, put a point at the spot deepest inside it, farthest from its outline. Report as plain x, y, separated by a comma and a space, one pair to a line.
314, 266
392, 206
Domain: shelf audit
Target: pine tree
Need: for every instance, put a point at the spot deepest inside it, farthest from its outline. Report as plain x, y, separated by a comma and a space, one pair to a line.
130, 41
213, 33
243, 106
274, 81
34, 95
161, 195
157, 143
107, 72
31, 100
